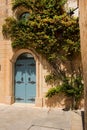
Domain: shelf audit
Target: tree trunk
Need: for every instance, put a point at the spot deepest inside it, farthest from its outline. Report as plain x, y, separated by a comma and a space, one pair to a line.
83, 34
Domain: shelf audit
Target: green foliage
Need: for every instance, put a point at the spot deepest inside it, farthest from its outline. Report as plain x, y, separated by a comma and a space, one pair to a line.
53, 91
17, 3
43, 7
71, 87
48, 30
7, 28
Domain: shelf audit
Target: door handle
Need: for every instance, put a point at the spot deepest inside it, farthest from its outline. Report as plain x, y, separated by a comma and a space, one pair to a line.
29, 79
22, 79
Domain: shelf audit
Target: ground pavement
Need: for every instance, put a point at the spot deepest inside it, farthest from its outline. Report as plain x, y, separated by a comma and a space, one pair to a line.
29, 117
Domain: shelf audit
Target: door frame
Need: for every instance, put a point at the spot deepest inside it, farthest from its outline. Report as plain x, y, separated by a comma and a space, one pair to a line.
37, 59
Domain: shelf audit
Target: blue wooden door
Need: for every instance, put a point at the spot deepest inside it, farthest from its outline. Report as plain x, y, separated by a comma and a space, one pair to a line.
25, 80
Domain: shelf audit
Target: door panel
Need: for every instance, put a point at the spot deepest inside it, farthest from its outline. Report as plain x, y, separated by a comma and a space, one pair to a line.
20, 81
25, 80
31, 81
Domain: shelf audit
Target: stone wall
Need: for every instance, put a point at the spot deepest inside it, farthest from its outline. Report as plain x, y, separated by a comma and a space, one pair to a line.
8, 58
83, 36
5, 51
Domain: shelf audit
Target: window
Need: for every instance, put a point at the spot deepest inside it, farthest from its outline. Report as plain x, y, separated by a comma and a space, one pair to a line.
24, 16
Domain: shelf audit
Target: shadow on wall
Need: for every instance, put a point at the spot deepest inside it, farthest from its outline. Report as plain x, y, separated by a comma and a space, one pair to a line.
61, 101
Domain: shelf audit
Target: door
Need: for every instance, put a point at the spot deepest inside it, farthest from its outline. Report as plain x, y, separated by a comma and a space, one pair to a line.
25, 79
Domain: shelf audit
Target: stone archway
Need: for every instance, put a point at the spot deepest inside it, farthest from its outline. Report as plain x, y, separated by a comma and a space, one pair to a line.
38, 99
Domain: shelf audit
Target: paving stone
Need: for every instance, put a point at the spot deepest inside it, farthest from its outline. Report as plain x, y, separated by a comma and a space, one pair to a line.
27, 117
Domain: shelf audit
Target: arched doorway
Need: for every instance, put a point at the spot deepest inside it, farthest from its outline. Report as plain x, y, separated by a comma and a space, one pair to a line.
25, 79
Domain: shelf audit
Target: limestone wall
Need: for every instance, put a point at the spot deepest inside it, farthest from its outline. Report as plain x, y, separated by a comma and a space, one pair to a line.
7, 61
5, 50
83, 36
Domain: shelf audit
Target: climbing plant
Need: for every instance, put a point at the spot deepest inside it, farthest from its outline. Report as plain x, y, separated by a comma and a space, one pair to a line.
72, 87
48, 30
